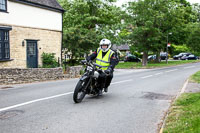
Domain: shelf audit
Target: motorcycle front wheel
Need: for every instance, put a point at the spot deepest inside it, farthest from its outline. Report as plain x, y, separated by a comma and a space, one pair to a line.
79, 92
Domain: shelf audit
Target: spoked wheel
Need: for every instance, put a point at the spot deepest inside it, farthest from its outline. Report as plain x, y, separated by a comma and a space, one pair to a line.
79, 92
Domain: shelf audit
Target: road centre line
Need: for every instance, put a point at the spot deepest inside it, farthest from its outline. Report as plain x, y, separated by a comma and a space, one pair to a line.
146, 76
189, 67
34, 101
171, 70
121, 81
158, 73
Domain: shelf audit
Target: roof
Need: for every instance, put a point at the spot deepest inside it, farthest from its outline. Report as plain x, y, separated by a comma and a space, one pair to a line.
50, 4
121, 47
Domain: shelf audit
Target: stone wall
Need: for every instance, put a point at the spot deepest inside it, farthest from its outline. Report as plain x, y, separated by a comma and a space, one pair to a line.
22, 75
48, 41
74, 71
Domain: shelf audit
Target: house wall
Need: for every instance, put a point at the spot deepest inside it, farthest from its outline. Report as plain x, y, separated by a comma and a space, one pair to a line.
34, 23
29, 16
49, 42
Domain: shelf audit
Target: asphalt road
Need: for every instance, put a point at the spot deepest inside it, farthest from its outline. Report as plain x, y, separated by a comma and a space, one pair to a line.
136, 103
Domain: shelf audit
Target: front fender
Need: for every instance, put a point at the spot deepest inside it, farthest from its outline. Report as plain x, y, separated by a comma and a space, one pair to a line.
84, 77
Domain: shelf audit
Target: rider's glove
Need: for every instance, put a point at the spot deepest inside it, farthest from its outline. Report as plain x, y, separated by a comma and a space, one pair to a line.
88, 59
108, 71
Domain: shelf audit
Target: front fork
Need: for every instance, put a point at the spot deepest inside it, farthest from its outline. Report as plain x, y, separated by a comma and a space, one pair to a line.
88, 80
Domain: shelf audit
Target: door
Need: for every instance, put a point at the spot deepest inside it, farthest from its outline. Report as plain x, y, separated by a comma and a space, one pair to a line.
32, 54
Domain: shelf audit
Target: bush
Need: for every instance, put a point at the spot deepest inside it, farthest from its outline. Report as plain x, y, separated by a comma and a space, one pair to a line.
176, 49
49, 60
137, 54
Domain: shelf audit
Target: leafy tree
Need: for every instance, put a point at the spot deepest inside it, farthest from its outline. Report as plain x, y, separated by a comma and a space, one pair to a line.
194, 38
85, 23
152, 20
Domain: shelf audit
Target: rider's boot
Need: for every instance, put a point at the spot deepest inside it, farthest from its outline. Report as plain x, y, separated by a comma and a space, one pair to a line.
100, 92
100, 89
106, 89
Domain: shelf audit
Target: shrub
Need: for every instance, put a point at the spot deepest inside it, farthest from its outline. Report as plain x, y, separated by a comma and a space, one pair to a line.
176, 49
49, 60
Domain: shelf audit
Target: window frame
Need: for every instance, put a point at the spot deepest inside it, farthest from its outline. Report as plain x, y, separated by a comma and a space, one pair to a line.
3, 41
1, 10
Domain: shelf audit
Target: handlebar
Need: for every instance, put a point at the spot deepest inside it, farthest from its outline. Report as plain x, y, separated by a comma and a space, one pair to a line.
90, 63
93, 65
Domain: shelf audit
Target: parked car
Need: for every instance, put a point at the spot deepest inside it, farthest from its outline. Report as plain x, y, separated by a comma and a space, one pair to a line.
131, 58
193, 57
184, 57
151, 57
163, 55
178, 57
190, 57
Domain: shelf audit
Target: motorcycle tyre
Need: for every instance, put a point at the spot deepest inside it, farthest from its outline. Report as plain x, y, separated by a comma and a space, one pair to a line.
77, 91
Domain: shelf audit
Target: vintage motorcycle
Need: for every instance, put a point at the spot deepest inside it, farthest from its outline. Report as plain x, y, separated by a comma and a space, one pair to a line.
88, 83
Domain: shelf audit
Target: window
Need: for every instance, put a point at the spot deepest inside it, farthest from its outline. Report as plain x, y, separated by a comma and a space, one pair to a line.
3, 5
4, 45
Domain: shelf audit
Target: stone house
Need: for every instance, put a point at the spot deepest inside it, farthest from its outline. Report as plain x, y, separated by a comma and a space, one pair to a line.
27, 29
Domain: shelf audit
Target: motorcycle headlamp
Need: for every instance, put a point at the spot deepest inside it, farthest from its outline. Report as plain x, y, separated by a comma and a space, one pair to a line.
89, 68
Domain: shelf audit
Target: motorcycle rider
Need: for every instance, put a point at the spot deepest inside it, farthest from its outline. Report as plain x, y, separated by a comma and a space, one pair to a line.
106, 58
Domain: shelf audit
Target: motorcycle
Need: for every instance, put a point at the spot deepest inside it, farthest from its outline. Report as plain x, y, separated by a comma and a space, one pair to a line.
88, 83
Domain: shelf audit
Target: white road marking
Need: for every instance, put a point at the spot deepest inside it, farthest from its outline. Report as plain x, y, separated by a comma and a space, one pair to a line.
158, 73
121, 81
46, 98
34, 101
171, 70
189, 67
146, 76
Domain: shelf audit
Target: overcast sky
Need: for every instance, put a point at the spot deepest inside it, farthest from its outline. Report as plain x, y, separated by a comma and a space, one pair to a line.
120, 2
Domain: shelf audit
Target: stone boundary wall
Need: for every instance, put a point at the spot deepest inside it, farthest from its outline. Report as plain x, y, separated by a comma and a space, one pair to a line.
21, 75
73, 72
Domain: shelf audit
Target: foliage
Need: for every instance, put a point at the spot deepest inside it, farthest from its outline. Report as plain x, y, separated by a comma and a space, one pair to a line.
144, 24
194, 39
153, 20
86, 22
49, 60
135, 52
176, 49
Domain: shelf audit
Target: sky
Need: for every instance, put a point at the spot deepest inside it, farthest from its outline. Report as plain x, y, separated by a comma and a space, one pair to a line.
120, 2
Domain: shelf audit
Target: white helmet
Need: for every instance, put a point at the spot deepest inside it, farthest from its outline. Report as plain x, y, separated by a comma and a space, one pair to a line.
105, 42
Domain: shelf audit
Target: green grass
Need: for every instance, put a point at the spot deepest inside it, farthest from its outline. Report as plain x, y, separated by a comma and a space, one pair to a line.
129, 65
184, 116
196, 77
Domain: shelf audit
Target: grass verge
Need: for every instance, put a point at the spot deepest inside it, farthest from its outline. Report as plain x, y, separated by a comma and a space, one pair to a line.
195, 78
129, 65
184, 115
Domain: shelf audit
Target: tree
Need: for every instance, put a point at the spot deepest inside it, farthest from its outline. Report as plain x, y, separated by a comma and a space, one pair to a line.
152, 20
84, 21
194, 38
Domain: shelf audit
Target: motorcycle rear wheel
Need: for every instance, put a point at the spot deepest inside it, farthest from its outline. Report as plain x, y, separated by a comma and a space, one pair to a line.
79, 93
